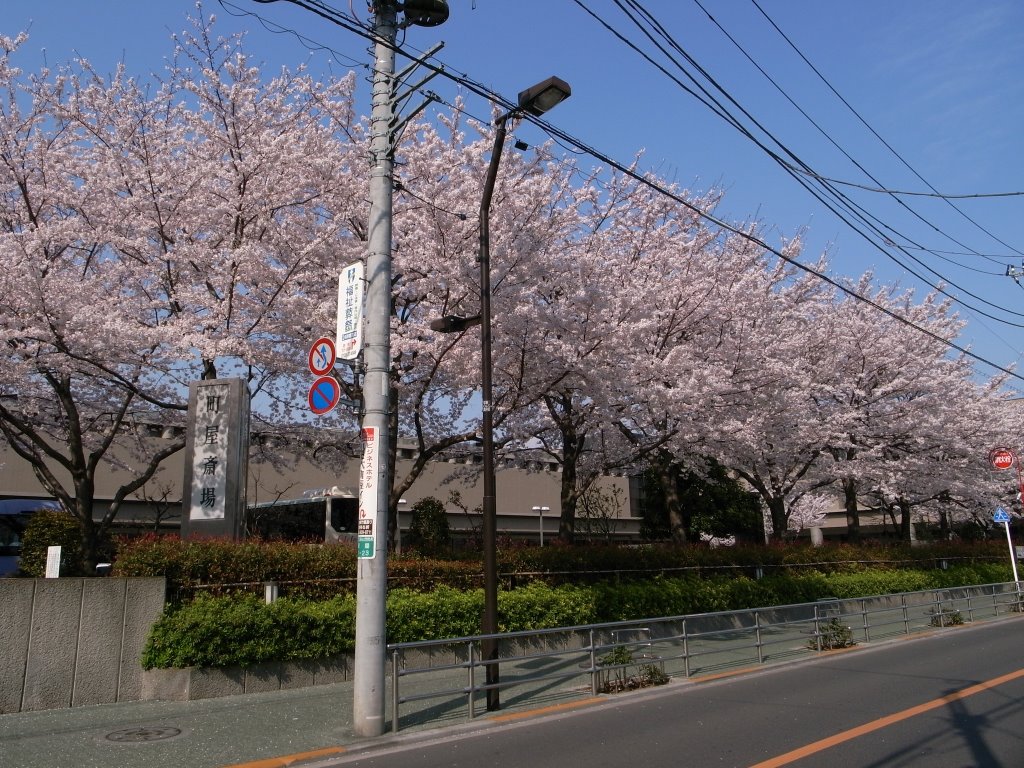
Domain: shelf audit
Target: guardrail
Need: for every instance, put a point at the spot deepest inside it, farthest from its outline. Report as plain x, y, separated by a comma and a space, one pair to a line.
570, 661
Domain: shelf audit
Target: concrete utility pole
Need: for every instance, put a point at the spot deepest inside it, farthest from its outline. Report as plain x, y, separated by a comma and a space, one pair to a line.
372, 573
374, 475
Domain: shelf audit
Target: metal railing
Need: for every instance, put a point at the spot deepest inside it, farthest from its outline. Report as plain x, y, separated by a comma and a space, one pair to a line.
430, 678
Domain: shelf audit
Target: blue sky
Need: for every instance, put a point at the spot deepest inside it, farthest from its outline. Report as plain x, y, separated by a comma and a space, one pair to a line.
941, 82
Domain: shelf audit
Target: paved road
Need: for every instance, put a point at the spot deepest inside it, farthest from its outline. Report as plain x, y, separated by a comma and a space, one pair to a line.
829, 708
951, 700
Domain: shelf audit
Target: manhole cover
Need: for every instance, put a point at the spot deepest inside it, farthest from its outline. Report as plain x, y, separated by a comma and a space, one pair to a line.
143, 734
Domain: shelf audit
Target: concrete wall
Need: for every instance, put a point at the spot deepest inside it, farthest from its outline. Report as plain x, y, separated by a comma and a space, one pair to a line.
73, 642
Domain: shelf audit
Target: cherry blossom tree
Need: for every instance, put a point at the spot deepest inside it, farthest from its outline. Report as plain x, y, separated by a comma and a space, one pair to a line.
147, 239
772, 433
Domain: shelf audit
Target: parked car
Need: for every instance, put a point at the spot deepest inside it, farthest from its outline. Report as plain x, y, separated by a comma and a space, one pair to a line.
14, 517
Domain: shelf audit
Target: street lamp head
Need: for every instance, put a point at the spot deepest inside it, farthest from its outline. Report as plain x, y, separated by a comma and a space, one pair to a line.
425, 13
541, 97
453, 323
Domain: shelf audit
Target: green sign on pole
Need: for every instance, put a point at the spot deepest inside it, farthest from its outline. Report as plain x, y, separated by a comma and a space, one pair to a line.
365, 547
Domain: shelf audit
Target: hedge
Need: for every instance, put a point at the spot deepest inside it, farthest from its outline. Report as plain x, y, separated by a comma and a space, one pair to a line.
238, 630
320, 571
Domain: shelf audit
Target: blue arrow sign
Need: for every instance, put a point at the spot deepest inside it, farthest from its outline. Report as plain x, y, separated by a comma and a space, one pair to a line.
1001, 516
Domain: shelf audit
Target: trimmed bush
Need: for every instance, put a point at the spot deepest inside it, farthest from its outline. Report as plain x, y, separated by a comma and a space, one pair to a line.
321, 571
46, 528
239, 630
538, 606
436, 615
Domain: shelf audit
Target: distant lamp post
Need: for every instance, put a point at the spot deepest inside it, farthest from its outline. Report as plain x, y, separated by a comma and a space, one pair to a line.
540, 521
535, 100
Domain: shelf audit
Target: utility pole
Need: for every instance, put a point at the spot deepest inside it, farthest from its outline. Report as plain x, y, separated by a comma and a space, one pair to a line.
372, 571
374, 476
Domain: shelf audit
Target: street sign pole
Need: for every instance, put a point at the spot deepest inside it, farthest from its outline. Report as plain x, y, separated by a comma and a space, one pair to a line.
1013, 558
1002, 516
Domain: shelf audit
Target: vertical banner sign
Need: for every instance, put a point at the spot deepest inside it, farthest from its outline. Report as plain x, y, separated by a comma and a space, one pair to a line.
216, 459
53, 562
366, 527
349, 340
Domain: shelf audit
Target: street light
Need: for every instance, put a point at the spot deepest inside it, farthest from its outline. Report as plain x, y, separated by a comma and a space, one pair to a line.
540, 521
535, 100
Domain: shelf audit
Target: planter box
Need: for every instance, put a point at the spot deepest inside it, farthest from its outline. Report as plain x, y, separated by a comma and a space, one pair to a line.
194, 683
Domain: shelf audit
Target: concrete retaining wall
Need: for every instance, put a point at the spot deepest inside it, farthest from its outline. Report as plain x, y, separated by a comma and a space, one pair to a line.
198, 683
72, 642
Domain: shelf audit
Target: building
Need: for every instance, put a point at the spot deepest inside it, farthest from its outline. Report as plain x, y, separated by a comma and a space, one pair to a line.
527, 498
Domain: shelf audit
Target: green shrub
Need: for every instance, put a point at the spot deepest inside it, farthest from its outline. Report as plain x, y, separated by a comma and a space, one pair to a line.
538, 606
219, 566
442, 613
239, 630
429, 532
833, 635
52, 527
321, 571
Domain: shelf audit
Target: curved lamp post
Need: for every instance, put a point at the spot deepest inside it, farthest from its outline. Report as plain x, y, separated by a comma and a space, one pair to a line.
535, 100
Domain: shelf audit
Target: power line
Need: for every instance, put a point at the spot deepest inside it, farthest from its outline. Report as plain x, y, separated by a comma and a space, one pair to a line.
880, 187
843, 201
904, 193
483, 91
876, 134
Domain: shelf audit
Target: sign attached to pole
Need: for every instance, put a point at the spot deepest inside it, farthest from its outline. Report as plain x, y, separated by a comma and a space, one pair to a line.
350, 311
366, 541
321, 357
324, 394
1002, 516
1002, 458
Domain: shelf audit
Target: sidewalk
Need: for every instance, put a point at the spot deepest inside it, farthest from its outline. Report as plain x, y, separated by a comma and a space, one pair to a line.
210, 733
258, 730
287, 728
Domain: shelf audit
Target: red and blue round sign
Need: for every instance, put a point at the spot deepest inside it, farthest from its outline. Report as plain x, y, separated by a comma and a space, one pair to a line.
321, 356
324, 395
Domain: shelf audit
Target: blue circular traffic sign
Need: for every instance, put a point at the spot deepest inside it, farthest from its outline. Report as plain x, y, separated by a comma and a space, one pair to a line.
323, 395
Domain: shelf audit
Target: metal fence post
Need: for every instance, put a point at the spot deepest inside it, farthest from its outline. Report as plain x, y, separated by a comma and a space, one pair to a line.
865, 620
472, 680
757, 636
906, 616
686, 651
593, 665
394, 691
817, 629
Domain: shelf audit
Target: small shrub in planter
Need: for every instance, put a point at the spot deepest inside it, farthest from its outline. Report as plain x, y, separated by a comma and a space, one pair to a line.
619, 679
832, 636
942, 616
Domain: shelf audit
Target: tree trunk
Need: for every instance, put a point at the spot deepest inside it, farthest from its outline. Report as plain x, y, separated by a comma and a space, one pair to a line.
906, 530
568, 497
666, 474
780, 522
852, 510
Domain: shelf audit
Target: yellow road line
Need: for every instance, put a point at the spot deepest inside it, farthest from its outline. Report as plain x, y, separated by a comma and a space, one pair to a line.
288, 760
883, 722
546, 710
